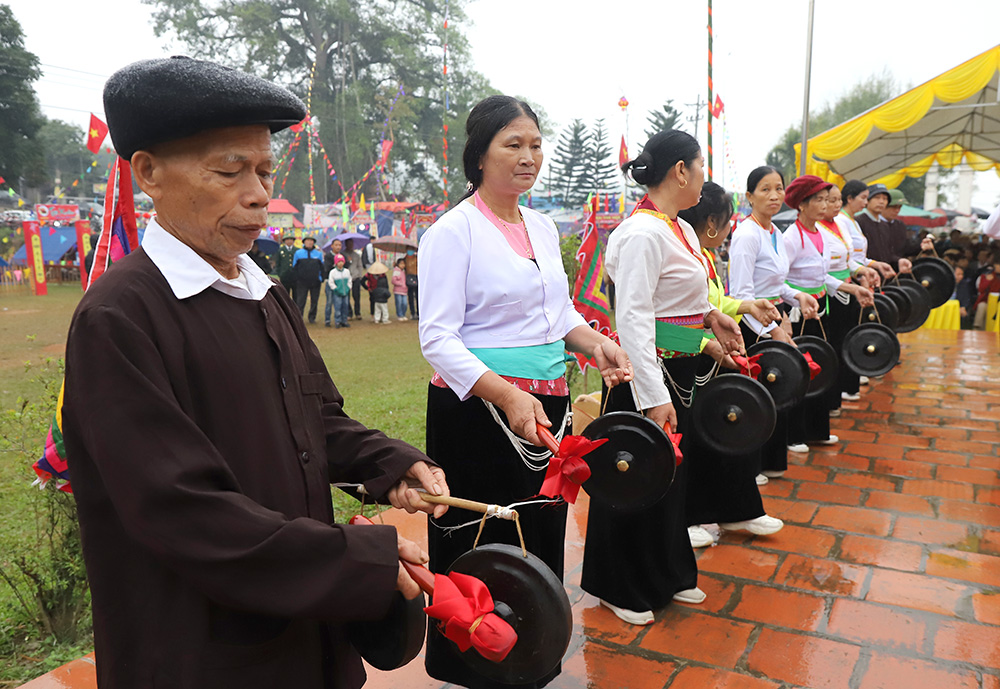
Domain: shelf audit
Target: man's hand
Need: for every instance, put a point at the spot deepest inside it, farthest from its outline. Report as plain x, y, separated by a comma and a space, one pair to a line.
927, 244
411, 552
613, 363
420, 475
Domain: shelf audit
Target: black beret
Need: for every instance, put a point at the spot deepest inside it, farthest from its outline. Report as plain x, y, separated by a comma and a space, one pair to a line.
152, 101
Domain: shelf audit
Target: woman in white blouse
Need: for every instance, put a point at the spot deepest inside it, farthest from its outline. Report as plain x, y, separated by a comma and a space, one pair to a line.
809, 258
496, 319
758, 265
854, 198
636, 563
844, 314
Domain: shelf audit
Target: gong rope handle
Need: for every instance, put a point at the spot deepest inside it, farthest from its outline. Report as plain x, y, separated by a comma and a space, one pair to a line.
549, 440
471, 505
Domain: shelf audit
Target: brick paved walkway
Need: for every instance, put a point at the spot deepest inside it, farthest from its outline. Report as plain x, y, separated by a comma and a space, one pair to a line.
886, 575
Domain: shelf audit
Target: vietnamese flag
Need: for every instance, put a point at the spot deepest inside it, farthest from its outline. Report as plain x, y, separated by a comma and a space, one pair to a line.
622, 154
95, 134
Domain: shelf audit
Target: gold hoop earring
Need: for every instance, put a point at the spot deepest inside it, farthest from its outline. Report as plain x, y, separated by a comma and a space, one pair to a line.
683, 185
712, 236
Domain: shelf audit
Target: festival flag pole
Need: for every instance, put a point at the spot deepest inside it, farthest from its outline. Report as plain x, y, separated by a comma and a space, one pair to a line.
444, 116
805, 100
710, 88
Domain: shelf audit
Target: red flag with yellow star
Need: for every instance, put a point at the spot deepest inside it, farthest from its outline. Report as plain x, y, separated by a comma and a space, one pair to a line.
95, 134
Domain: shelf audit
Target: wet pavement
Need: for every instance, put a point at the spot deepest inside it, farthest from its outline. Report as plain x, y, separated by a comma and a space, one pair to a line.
886, 575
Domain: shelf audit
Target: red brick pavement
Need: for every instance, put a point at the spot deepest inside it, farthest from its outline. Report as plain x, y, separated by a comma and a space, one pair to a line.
886, 576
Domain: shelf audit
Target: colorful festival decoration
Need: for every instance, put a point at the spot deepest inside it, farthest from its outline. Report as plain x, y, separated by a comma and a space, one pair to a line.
444, 139
590, 295
95, 134
710, 86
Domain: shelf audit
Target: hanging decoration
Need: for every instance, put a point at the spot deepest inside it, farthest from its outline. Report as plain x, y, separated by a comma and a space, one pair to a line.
710, 86
447, 104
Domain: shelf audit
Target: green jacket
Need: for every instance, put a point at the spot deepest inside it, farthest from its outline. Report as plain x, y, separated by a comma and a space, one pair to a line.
284, 265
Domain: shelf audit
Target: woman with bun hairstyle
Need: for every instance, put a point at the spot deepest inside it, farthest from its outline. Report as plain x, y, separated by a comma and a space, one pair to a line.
722, 488
808, 271
844, 312
638, 562
495, 321
758, 266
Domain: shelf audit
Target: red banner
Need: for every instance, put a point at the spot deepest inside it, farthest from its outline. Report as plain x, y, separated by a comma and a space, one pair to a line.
33, 252
54, 212
95, 134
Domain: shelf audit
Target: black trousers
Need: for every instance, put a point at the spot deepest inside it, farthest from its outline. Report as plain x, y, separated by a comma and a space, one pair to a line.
481, 464
810, 421
302, 290
639, 560
774, 454
843, 317
356, 294
411, 293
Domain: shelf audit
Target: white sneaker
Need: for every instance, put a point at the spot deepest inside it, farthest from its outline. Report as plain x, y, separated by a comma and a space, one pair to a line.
832, 440
761, 480
773, 474
631, 616
850, 397
863, 380
798, 447
761, 526
404, 318
692, 596
700, 538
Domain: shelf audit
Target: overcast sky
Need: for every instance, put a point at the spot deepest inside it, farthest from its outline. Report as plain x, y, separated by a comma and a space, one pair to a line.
576, 58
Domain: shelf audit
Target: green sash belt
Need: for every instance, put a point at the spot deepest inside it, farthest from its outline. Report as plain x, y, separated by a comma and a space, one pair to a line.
842, 275
677, 338
537, 362
817, 292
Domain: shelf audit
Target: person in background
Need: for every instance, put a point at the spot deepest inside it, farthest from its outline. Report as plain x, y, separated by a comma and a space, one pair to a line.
412, 281
378, 291
988, 283
308, 267
286, 258
258, 257
338, 284
328, 264
854, 198
368, 259
399, 288
357, 271
886, 241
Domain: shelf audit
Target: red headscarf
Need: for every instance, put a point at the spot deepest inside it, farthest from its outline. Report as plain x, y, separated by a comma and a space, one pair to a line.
802, 188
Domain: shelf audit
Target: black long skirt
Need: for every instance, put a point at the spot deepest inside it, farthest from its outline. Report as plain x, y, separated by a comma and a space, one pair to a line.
639, 560
810, 421
481, 464
774, 454
721, 487
843, 317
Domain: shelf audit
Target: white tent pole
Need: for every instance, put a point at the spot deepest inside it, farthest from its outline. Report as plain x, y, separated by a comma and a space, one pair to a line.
805, 101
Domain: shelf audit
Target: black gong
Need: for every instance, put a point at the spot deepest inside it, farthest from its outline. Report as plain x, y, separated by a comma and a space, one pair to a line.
888, 314
870, 349
902, 302
920, 305
937, 277
733, 414
396, 639
531, 599
783, 371
825, 355
634, 469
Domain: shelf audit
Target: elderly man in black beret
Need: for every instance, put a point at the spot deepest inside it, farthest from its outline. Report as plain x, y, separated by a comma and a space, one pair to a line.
202, 428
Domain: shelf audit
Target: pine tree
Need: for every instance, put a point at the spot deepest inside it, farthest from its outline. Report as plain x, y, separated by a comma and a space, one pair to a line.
660, 120
602, 168
570, 161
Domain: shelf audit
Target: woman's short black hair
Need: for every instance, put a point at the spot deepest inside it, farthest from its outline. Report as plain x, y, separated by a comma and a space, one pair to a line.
715, 203
488, 117
663, 150
852, 189
754, 178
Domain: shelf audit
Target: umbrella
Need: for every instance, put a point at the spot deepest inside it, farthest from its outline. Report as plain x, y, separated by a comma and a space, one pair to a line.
360, 240
911, 215
394, 244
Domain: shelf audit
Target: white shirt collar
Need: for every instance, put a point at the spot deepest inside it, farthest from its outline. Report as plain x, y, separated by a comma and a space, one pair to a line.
189, 274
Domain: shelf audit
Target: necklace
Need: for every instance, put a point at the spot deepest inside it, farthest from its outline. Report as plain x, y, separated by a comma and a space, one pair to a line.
505, 228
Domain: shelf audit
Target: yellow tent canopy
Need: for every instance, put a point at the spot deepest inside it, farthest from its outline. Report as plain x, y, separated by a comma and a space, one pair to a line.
951, 118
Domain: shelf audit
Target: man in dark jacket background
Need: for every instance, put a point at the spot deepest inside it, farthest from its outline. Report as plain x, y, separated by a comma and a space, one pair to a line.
308, 269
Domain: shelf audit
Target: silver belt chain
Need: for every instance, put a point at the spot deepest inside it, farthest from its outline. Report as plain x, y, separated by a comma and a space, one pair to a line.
536, 459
